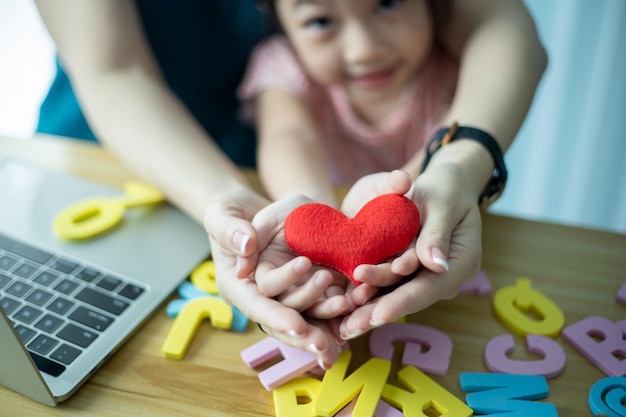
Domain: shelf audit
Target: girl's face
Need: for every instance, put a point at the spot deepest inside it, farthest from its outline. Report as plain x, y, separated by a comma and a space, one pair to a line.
371, 48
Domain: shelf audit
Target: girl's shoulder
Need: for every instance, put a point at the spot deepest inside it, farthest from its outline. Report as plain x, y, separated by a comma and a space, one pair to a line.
276, 52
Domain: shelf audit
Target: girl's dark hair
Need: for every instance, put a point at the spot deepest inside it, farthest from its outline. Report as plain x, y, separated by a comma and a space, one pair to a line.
439, 9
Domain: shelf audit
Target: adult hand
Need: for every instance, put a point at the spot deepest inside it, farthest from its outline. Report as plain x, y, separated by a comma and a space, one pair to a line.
448, 250
237, 248
228, 222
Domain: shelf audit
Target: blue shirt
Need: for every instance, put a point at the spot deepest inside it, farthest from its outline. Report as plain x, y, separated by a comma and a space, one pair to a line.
202, 47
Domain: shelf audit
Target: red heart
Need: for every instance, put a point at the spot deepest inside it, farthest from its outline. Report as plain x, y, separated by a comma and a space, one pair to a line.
382, 228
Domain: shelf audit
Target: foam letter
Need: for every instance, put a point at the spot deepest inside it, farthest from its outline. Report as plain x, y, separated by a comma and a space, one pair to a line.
174, 307
89, 217
502, 394
435, 360
203, 277
606, 353
189, 291
550, 366
286, 398
368, 380
479, 285
186, 324
382, 410
295, 363
607, 396
424, 394
516, 305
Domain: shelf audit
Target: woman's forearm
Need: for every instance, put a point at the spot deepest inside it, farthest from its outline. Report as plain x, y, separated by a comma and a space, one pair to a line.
142, 122
501, 64
129, 106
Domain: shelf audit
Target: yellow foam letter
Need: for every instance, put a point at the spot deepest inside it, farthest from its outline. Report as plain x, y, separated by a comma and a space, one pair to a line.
335, 391
525, 310
188, 320
424, 394
203, 277
88, 218
286, 397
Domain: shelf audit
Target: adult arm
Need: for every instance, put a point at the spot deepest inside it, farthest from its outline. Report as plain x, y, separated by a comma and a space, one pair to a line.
133, 112
129, 106
502, 61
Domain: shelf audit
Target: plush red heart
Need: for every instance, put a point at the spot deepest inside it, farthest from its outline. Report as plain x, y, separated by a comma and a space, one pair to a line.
382, 228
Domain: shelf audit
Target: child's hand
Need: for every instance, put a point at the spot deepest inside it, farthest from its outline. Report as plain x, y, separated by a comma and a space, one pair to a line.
387, 273
448, 248
291, 279
282, 322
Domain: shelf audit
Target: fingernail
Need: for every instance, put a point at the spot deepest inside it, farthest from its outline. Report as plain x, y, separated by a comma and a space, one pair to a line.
376, 323
241, 240
301, 265
336, 308
439, 258
321, 280
244, 243
323, 365
354, 334
313, 348
294, 333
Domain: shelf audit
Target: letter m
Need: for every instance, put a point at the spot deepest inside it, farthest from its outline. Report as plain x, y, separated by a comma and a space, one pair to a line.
504, 395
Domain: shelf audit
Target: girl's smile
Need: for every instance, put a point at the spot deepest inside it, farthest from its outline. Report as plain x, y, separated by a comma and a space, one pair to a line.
374, 80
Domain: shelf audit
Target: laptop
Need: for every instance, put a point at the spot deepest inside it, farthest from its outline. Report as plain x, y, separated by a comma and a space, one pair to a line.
66, 306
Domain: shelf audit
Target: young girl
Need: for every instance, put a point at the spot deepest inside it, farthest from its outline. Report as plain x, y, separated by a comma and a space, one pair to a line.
351, 88
435, 88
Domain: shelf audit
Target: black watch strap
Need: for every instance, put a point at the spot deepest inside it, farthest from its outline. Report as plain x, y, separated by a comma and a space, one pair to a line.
499, 176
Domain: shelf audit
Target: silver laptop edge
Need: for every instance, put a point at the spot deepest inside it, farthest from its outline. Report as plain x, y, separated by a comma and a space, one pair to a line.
155, 247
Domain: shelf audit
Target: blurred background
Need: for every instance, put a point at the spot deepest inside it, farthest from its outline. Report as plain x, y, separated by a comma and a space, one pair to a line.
568, 163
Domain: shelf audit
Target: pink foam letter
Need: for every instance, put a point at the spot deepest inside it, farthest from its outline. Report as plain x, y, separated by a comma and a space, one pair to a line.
607, 351
436, 358
295, 362
550, 366
478, 285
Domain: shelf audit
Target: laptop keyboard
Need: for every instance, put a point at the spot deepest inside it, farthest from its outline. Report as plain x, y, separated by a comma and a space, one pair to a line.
58, 306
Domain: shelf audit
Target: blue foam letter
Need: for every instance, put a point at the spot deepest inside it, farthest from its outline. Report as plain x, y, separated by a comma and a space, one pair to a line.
507, 395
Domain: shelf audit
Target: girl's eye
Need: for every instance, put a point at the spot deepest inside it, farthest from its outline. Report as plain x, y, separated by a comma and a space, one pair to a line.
387, 5
320, 23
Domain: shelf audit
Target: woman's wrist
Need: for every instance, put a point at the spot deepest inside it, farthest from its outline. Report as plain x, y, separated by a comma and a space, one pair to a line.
471, 158
470, 155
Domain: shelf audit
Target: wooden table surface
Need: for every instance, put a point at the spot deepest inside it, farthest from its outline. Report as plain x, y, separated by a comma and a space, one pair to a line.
580, 270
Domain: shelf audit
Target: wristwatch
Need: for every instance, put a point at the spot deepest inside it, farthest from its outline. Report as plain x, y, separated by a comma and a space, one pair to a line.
497, 183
